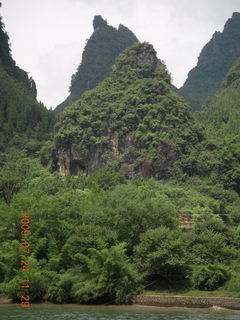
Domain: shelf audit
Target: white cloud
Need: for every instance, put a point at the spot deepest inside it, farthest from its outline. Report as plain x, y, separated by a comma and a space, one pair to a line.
48, 36
60, 63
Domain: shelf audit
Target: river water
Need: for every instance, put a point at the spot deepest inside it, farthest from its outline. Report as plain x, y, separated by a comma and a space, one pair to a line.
74, 312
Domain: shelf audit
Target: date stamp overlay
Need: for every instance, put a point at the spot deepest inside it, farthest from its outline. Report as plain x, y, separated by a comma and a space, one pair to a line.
25, 263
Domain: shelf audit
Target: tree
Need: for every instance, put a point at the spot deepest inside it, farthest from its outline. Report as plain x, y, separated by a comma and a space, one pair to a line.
210, 277
84, 238
131, 210
210, 247
37, 288
161, 253
110, 277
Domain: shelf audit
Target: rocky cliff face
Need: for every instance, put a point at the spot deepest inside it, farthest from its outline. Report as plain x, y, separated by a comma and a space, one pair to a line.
213, 64
99, 54
132, 121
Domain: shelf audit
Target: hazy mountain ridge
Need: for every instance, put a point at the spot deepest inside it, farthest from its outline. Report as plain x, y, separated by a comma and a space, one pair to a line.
214, 62
99, 54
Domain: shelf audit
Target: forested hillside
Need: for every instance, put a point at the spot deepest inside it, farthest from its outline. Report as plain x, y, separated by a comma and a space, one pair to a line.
131, 192
99, 54
213, 64
23, 121
221, 113
133, 121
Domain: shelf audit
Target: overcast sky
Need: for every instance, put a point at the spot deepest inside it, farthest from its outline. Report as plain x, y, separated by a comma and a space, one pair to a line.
48, 36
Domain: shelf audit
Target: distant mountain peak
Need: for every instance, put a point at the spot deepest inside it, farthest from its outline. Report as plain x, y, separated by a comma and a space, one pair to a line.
214, 62
233, 23
99, 22
98, 57
236, 15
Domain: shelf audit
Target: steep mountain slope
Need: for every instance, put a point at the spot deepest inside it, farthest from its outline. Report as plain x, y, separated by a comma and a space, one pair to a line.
214, 62
99, 54
20, 113
133, 120
221, 113
7, 62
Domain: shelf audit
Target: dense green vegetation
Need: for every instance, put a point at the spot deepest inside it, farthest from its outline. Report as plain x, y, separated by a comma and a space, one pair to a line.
99, 55
9, 64
150, 197
220, 116
214, 62
221, 113
97, 239
133, 119
24, 122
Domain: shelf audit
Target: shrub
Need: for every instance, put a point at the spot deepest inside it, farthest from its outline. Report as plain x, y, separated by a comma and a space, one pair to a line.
161, 252
36, 291
210, 277
110, 277
61, 291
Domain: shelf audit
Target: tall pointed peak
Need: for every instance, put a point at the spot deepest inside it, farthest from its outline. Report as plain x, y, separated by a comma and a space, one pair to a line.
214, 62
98, 57
99, 22
236, 15
233, 24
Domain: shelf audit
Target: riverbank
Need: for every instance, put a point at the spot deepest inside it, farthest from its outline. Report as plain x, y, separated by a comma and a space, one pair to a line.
187, 301
166, 302
4, 300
